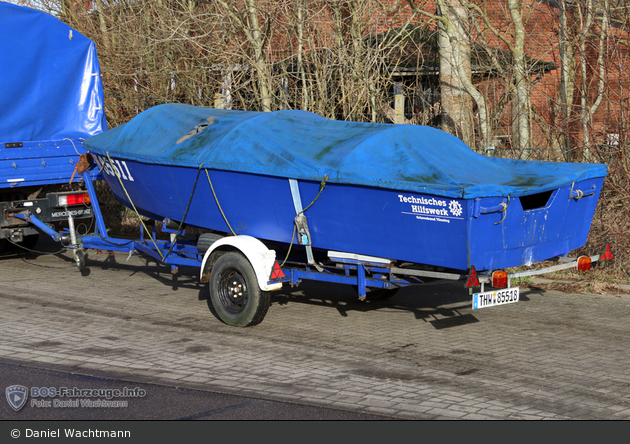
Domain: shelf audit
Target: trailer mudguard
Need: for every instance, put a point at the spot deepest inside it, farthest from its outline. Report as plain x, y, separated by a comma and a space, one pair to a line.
259, 256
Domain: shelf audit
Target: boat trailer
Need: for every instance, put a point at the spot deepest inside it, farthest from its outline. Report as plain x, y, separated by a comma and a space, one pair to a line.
241, 270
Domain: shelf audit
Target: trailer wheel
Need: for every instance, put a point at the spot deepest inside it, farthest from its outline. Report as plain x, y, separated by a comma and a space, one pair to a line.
79, 259
234, 291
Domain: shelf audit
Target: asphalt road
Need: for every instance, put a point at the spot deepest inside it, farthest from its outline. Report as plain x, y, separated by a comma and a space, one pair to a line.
158, 402
319, 354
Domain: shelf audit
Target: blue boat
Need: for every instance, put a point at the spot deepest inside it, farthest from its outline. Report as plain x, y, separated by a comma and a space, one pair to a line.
403, 192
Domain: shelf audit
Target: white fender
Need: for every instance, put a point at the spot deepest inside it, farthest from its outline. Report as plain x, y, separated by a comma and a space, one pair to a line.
261, 258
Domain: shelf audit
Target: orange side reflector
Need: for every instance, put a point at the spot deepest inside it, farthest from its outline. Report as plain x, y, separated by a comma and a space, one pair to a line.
499, 279
473, 280
584, 263
277, 272
607, 254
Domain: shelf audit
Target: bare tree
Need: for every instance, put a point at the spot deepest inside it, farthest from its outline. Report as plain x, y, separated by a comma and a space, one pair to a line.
568, 66
584, 30
455, 53
588, 17
247, 20
455, 64
521, 77
520, 81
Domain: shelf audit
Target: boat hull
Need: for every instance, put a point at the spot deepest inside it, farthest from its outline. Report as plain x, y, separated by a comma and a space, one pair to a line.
398, 225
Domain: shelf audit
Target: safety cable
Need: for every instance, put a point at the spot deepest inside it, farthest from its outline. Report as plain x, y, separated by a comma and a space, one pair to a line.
117, 174
50, 252
114, 243
63, 250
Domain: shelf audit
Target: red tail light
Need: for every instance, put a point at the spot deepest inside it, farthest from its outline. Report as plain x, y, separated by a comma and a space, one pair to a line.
499, 279
74, 199
584, 263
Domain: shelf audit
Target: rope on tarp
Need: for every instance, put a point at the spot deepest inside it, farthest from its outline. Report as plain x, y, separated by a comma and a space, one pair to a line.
218, 204
117, 174
578, 193
322, 185
73, 145
505, 206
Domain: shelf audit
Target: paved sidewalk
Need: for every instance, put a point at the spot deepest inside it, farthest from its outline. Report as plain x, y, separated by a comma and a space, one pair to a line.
424, 354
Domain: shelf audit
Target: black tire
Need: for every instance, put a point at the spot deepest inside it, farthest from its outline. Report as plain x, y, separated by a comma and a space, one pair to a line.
79, 259
206, 240
234, 291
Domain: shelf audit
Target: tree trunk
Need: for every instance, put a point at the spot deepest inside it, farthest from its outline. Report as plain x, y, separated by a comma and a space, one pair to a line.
521, 80
259, 59
588, 111
454, 71
567, 79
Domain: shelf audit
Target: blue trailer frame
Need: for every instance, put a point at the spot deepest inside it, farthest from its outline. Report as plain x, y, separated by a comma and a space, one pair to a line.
373, 278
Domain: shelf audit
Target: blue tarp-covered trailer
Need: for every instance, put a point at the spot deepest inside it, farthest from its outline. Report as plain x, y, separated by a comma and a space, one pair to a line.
50, 76
51, 99
403, 192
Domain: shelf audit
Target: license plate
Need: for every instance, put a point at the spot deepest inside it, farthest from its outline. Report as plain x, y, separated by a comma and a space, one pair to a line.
498, 297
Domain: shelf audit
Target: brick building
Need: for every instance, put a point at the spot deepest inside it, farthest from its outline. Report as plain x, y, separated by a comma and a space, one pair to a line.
550, 127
